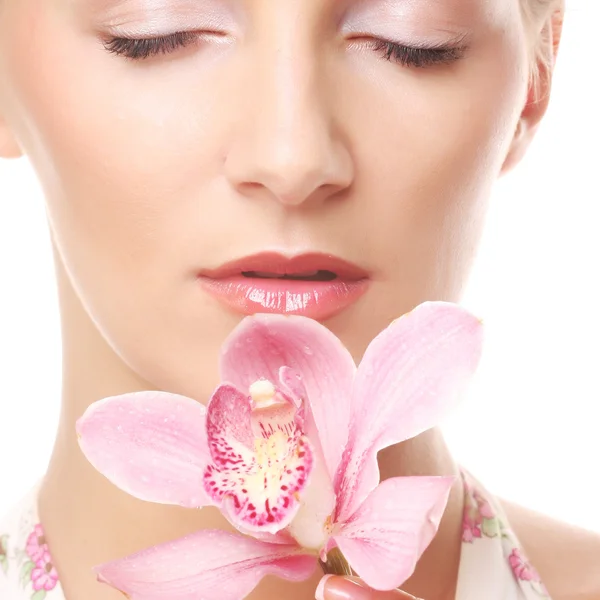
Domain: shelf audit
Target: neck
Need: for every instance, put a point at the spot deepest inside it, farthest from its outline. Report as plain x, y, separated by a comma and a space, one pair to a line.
89, 521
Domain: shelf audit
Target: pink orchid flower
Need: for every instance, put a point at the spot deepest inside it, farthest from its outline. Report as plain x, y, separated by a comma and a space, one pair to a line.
287, 448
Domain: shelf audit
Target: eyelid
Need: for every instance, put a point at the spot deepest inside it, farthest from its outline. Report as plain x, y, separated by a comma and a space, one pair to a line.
151, 28
145, 19
431, 39
407, 24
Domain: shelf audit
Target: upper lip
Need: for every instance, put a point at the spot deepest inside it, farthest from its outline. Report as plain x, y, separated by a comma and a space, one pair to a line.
276, 263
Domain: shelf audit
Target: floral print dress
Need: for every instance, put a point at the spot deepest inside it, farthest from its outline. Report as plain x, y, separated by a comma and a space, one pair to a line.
492, 563
26, 569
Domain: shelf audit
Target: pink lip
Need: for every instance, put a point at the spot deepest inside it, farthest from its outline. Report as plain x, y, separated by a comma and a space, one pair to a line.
315, 299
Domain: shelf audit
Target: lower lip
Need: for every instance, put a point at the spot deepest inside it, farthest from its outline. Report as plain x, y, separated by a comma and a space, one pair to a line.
315, 299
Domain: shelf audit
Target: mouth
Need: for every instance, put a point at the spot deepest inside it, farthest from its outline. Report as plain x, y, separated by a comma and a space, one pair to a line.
315, 285
320, 275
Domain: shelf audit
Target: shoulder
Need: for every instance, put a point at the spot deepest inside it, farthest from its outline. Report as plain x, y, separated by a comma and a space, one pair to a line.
566, 557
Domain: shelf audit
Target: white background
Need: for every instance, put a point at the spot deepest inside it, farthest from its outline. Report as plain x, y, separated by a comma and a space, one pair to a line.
529, 426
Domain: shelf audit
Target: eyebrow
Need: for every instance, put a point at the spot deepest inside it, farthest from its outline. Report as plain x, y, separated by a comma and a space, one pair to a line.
102, 4
106, 8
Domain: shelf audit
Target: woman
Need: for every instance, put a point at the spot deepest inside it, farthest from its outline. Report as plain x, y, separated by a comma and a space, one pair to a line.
188, 150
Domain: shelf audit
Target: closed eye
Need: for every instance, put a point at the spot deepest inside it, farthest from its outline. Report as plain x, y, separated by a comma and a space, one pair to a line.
419, 57
143, 48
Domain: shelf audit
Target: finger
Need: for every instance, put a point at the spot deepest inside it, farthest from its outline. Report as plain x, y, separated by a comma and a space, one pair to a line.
335, 587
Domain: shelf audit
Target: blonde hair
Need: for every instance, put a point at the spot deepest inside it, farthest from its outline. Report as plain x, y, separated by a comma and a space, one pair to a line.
540, 17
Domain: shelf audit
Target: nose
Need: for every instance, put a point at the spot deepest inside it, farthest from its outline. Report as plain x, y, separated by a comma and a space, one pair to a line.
286, 143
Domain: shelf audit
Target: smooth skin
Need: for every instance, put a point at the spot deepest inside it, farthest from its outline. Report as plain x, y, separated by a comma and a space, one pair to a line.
283, 130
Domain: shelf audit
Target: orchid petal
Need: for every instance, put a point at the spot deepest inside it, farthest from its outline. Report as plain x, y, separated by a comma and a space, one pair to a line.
385, 537
258, 487
317, 504
206, 565
292, 384
229, 429
262, 344
280, 413
281, 537
411, 375
150, 444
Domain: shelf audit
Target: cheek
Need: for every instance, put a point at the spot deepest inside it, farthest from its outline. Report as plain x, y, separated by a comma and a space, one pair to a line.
110, 143
122, 172
428, 151
431, 148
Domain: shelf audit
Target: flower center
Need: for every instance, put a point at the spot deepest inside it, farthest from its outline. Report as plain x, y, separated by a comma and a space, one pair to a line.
261, 488
262, 393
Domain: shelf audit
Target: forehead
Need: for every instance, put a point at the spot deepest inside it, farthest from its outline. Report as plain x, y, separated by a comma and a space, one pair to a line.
488, 8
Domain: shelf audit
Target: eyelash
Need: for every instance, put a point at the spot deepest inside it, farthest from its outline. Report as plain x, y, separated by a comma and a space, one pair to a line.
408, 56
418, 57
140, 49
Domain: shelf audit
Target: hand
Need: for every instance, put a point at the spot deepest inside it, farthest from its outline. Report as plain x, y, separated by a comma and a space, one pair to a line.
335, 587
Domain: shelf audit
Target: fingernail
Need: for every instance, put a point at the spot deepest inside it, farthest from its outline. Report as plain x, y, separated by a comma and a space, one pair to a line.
334, 587
320, 593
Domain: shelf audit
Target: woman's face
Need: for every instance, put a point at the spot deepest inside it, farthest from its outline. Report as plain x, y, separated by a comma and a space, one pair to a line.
281, 126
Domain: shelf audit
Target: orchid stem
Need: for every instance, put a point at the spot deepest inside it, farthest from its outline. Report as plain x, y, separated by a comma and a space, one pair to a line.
336, 564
